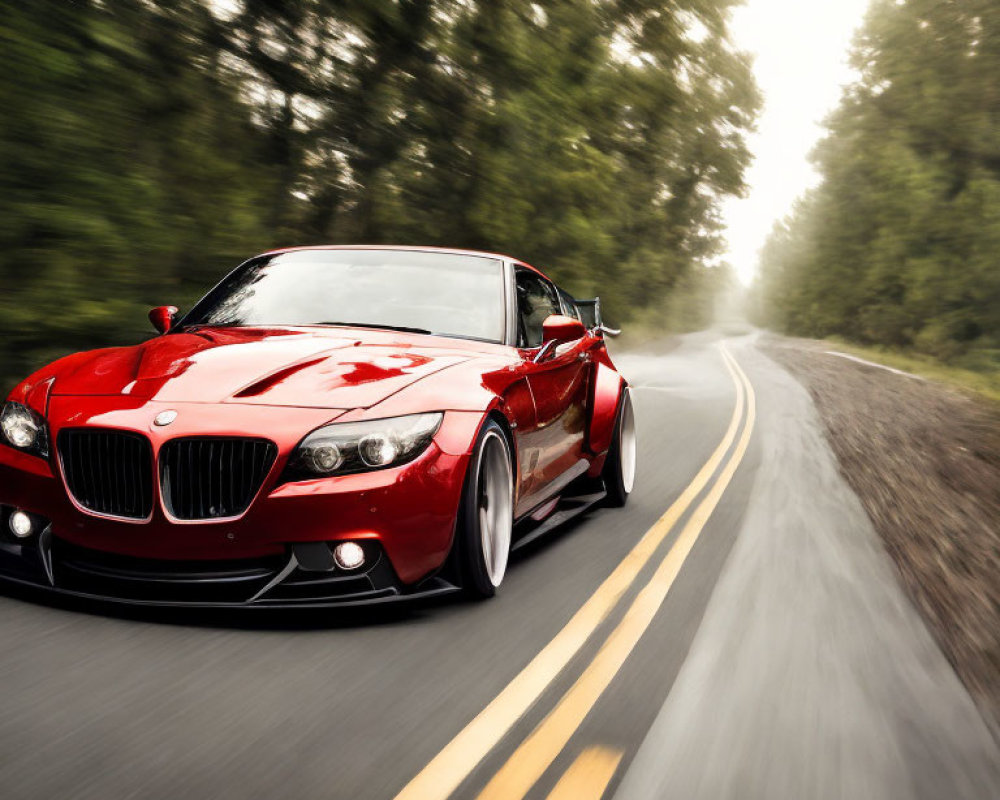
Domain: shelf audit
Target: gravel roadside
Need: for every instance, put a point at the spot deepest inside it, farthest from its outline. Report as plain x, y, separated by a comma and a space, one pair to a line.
925, 462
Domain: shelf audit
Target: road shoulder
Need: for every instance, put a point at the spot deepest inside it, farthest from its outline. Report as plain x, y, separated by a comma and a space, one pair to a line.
925, 462
811, 675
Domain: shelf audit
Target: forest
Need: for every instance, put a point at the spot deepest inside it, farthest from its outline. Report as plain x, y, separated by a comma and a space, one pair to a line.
148, 147
898, 244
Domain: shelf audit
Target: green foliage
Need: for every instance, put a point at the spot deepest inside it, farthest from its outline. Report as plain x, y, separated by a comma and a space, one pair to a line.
148, 146
127, 172
898, 245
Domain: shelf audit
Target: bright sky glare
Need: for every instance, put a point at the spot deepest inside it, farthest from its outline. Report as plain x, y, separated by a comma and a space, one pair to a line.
800, 49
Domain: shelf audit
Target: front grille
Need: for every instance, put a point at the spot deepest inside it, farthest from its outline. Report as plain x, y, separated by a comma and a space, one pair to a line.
212, 478
108, 472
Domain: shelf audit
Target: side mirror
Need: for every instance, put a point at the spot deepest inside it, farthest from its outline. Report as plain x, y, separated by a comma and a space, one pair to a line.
162, 317
560, 329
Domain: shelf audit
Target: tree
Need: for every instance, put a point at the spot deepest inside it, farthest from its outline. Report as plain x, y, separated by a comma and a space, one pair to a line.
148, 145
130, 171
894, 246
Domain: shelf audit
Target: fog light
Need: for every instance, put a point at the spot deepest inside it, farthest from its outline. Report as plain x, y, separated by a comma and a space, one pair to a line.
349, 555
20, 524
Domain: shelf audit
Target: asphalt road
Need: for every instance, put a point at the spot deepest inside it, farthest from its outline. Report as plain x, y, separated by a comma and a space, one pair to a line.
736, 631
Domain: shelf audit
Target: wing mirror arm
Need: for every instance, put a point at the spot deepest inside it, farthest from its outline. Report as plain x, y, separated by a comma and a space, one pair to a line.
544, 350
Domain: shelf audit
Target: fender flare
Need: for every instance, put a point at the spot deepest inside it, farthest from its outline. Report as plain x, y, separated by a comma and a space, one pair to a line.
607, 390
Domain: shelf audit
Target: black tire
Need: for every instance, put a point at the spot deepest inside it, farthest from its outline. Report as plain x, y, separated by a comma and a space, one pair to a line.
482, 571
617, 477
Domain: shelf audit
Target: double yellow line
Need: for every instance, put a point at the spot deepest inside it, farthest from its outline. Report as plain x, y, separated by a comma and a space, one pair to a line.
445, 772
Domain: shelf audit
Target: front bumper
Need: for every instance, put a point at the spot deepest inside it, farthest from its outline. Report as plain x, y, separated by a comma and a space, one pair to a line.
404, 517
57, 567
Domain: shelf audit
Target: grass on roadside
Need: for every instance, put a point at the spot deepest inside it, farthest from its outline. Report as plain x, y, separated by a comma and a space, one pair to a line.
985, 383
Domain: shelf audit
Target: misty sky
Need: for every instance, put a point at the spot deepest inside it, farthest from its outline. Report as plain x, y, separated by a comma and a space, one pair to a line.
800, 47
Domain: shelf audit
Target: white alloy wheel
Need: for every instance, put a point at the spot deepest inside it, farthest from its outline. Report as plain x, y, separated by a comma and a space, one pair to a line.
495, 505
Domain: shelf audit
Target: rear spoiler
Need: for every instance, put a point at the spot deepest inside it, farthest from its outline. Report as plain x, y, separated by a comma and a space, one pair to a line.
590, 315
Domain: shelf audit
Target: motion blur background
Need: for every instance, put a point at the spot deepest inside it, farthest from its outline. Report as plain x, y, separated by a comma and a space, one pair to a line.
820, 168
147, 147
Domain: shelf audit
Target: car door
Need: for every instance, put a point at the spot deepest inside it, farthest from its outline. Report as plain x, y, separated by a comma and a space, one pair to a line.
553, 448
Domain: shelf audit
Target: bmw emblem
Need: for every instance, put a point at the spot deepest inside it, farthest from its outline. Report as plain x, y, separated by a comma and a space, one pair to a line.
164, 418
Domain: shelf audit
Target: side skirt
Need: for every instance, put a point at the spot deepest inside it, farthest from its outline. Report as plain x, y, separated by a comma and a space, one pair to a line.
527, 530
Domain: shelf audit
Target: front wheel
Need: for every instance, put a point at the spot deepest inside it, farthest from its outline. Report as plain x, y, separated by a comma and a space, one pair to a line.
486, 518
619, 466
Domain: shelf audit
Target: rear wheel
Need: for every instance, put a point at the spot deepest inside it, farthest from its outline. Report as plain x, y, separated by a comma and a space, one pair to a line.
619, 466
486, 518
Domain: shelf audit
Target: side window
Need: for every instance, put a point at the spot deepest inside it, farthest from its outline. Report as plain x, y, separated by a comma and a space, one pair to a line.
536, 301
568, 304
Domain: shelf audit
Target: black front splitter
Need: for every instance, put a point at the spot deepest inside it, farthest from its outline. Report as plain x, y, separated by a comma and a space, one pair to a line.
431, 589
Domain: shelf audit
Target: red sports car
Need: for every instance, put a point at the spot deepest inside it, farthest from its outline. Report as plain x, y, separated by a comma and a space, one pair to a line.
328, 425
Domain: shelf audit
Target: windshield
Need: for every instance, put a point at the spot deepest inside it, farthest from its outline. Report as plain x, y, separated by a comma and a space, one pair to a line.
428, 292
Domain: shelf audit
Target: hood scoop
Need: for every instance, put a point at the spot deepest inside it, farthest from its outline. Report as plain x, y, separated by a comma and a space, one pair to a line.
261, 386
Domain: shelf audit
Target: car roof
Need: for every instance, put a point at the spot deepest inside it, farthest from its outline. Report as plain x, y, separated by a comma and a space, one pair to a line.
417, 248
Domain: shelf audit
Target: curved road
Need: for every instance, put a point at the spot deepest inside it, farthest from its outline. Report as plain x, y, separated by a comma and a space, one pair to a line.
735, 632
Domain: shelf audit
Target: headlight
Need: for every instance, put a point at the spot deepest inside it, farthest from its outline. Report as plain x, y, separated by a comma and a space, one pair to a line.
346, 447
24, 429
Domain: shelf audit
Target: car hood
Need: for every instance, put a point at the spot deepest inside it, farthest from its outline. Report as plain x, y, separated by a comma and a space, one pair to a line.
324, 368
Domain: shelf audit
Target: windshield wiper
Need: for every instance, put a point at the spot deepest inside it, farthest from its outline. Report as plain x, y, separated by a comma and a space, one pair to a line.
376, 325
